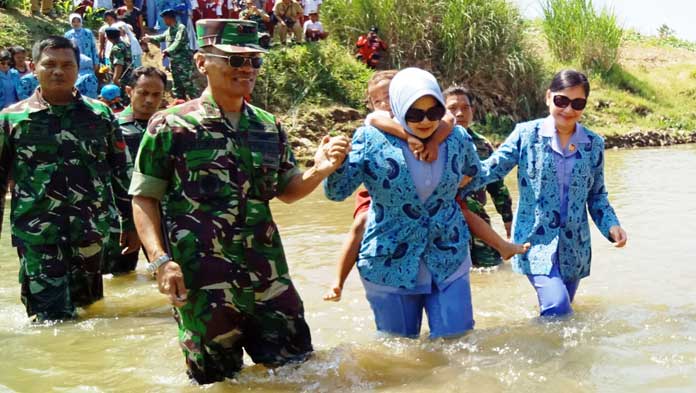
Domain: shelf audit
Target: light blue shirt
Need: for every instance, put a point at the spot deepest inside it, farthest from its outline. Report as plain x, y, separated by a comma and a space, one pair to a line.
8, 83
564, 159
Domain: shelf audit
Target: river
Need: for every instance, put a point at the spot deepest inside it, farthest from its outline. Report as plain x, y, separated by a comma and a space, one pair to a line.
634, 328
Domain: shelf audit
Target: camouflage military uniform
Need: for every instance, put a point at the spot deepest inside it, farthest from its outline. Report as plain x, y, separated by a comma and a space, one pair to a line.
121, 55
181, 60
215, 182
114, 261
69, 166
481, 253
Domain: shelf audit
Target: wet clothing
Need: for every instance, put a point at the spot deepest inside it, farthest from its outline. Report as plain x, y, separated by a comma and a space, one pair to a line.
181, 59
557, 188
481, 253
69, 166
214, 181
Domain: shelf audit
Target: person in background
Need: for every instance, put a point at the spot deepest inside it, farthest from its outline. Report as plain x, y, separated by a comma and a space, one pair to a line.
459, 101
27, 84
83, 39
104, 44
146, 92
133, 16
178, 52
370, 48
9, 81
258, 15
288, 14
313, 29
560, 177
45, 7
120, 60
111, 96
133, 42
19, 60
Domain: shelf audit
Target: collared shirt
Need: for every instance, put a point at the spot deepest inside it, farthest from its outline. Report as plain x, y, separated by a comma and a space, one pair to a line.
564, 158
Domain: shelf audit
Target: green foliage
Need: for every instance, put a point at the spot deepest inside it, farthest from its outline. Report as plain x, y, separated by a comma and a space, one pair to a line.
619, 78
19, 4
19, 28
477, 43
665, 31
576, 32
93, 19
495, 128
63, 7
313, 74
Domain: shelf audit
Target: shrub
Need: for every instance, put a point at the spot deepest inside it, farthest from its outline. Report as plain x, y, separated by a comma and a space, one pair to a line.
576, 32
477, 43
315, 74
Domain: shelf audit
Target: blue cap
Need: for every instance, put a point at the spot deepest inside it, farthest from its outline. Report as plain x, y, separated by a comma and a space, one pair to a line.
110, 92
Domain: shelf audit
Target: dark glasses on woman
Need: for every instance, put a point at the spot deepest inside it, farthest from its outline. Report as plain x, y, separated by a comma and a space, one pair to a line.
415, 115
239, 61
562, 102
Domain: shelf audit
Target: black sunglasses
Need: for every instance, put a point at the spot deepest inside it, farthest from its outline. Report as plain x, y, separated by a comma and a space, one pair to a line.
415, 115
562, 102
239, 61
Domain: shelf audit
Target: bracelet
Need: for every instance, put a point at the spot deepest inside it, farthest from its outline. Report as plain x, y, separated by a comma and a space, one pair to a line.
154, 265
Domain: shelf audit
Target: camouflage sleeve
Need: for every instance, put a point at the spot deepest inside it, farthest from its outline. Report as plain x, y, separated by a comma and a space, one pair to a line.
157, 38
501, 199
288, 166
4, 164
118, 160
118, 55
180, 40
153, 163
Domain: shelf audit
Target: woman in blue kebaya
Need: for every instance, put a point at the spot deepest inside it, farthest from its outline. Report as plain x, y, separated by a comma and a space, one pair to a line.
83, 38
560, 177
414, 255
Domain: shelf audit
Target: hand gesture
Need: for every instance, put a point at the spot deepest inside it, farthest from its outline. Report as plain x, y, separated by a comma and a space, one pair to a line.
618, 235
170, 281
331, 153
333, 294
415, 145
130, 241
430, 152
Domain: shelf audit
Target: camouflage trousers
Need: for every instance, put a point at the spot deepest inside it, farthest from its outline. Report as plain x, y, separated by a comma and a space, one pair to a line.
182, 75
482, 255
216, 325
56, 278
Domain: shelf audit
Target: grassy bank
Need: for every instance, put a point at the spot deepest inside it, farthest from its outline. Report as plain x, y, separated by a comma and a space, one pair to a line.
20, 28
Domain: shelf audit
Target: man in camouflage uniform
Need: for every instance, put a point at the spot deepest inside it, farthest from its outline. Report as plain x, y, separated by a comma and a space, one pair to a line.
459, 101
120, 60
145, 92
65, 154
180, 57
214, 164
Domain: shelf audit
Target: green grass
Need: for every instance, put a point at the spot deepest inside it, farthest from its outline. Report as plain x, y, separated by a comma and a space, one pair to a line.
20, 28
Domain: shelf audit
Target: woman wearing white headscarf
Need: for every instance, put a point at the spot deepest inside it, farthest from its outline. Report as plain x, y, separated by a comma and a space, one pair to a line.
83, 39
414, 255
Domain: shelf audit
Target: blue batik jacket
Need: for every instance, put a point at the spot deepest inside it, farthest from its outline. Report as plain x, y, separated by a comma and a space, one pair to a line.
401, 230
538, 218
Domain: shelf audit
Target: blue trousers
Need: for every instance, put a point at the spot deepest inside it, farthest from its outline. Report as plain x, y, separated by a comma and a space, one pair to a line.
450, 312
555, 295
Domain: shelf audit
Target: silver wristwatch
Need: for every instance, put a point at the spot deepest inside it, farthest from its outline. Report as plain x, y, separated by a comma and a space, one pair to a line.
154, 265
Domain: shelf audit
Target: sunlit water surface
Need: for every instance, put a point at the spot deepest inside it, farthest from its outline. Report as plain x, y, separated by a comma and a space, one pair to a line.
634, 329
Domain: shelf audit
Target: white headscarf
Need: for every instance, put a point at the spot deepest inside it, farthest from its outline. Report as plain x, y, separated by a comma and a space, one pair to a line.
73, 16
136, 50
407, 87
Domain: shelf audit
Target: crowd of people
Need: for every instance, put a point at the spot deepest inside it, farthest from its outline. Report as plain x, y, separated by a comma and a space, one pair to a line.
94, 182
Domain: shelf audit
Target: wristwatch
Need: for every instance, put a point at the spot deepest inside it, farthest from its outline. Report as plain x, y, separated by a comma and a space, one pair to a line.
154, 265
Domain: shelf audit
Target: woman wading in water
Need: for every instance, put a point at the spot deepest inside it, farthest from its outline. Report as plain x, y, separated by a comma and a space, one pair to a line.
560, 177
414, 255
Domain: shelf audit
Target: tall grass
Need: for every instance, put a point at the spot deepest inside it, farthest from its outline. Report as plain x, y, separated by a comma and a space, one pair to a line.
477, 43
312, 74
577, 32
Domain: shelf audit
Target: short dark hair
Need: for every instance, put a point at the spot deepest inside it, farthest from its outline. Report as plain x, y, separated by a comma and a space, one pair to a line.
5, 55
112, 34
110, 13
54, 42
13, 51
147, 71
565, 79
455, 90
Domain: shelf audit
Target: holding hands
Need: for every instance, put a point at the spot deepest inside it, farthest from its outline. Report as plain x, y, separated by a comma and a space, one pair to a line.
331, 153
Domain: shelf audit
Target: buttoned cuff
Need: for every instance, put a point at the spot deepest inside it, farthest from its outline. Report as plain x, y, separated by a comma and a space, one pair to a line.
147, 186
